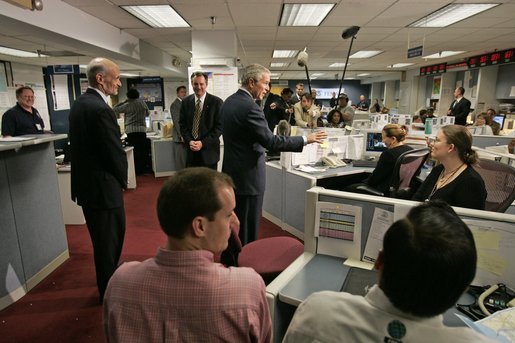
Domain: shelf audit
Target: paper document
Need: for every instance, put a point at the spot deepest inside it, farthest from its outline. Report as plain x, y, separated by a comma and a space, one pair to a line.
499, 326
381, 221
358, 264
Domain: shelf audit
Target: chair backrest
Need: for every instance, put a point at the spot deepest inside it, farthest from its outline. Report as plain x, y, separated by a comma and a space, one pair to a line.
499, 181
408, 165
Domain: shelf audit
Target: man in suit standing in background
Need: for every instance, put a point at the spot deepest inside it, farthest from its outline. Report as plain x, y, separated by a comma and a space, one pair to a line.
460, 107
299, 90
200, 124
246, 136
179, 150
99, 167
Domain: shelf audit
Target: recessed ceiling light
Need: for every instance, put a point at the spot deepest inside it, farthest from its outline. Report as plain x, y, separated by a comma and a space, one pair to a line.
364, 74
399, 65
365, 53
304, 14
157, 15
278, 64
443, 54
337, 65
285, 53
18, 53
451, 14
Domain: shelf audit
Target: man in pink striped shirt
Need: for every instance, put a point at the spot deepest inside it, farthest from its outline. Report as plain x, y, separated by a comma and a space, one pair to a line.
182, 295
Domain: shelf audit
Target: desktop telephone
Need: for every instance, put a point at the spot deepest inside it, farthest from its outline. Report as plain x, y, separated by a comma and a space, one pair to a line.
488, 299
333, 162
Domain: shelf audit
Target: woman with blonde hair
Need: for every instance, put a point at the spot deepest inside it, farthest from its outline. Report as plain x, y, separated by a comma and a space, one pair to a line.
454, 180
393, 136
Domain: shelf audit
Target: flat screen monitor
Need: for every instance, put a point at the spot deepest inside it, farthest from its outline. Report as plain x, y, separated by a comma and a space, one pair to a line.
374, 145
500, 120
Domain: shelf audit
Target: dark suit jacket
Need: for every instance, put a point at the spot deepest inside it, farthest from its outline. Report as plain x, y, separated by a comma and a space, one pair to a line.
246, 136
175, 111
210, 126
98, 161
460, 111
270, 116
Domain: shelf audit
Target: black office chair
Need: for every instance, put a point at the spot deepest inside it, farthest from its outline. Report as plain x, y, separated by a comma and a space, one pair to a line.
499, 181
408, 166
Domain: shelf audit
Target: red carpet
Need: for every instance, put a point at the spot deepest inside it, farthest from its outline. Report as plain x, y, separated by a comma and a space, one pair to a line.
64, 307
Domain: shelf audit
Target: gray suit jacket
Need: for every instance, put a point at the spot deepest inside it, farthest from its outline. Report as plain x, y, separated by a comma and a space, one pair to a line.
175, 111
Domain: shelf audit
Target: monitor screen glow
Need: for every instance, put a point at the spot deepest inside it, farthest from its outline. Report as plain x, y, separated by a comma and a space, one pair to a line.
500, 120
374, 145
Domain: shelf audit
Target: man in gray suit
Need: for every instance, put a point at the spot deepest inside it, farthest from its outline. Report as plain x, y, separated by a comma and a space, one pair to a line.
246, 136
179, 150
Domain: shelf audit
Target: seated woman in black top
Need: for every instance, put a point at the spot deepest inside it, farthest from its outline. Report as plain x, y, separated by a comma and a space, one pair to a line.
454, 180
335, 119
393, 137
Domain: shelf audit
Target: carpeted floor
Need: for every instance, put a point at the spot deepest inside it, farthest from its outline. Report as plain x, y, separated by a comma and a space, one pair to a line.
64, 307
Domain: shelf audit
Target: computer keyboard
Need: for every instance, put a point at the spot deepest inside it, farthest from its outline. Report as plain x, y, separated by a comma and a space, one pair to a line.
365, 163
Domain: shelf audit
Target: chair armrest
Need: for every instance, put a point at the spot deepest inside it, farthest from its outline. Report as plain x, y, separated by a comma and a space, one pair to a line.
365, 189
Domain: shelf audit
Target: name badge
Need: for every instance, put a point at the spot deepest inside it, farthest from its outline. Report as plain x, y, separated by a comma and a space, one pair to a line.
38, 126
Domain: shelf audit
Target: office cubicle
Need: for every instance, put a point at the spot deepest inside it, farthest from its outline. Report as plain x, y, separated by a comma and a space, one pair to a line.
322, 267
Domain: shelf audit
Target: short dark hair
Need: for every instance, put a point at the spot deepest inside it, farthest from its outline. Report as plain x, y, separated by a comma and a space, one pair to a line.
462, 90
429, 259
343, 96
179, 88
133, 93
197, 74
189, 193
331, 115
306, 95
20, 90
286, 91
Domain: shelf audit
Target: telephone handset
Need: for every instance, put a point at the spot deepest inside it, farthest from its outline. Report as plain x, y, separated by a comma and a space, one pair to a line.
333, 162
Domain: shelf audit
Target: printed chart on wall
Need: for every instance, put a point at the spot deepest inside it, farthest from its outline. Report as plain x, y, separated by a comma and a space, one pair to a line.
495, 244
338, 228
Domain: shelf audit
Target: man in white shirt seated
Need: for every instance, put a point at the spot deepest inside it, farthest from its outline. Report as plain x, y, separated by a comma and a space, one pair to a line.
427, 262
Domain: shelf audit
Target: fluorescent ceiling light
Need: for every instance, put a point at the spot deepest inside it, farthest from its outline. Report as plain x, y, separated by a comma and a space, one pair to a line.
284, 53
304, 14
451, 14
19, 53
399, 65
83, 66
129, 74
365, 53
278, 64
157, 15
317, 74
275, 76
337, 65
364, 74
443, 54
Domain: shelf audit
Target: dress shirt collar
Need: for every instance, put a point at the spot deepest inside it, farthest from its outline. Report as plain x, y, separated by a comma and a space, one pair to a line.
378, 299
105, 97
202, 98
246, 91
183, 257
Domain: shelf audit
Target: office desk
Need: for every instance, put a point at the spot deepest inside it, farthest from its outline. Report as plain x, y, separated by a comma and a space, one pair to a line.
33, 238
285, 192
327, 273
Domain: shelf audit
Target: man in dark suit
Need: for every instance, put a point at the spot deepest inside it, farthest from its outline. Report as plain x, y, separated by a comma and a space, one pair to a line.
201, 125
99, 167
460, 107
246, 136
299, 90
179, 150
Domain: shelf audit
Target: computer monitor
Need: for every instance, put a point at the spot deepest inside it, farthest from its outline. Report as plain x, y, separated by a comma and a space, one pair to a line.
374, 145
500, 120
147, 124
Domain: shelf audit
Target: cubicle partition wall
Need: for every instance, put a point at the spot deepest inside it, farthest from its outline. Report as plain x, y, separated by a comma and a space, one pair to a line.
33, 238
322, 266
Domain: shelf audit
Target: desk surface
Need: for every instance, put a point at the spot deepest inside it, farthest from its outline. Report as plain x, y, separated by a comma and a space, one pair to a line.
327, 273
328, 173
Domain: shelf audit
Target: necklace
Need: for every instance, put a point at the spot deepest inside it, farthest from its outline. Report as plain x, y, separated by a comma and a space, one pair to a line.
443, 180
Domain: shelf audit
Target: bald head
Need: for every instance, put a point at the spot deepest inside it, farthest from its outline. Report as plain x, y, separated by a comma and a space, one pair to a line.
104, 75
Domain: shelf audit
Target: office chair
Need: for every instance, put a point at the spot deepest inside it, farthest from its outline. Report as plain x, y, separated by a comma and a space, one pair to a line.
499, 181
408, 166
267, 256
